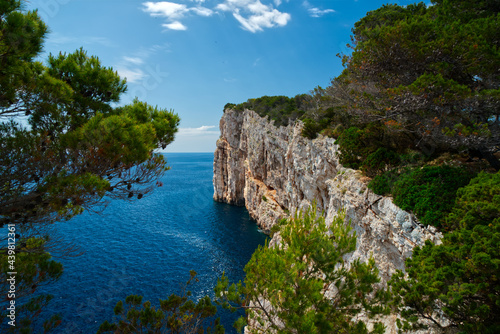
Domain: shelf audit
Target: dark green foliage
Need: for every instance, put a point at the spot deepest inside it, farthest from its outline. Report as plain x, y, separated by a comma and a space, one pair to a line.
429, 72
284, 285
21, 36
380, 160
79, 150
176, 314
382, 184
460, 277
357, 144
35, 268
351, 147
75, 87
429, 192
311, 128
329, 122
478, 203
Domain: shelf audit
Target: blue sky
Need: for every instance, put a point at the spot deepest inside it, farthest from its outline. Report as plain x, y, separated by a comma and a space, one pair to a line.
194, 56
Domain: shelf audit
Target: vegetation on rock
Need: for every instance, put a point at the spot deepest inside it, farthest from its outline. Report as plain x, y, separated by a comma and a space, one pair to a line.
458, 278
303, 284
421, 82
417, 102
429, 191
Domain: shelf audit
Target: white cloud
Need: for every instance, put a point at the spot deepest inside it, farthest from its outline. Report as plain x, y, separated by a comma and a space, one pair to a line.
316, 12
176, 25
133, 60
174, 12
201, 131
132, 75
202, 11
166, 9
253, 15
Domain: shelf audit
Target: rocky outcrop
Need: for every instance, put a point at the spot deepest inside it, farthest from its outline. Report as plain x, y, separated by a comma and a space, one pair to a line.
275, 171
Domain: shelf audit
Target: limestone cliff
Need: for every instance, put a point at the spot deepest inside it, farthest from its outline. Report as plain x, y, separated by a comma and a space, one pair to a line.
275, 171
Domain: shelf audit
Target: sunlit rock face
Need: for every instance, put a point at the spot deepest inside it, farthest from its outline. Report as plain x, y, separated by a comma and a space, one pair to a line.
275, 171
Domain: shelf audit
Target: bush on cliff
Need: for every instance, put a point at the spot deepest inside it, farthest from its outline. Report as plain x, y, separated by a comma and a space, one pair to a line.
430, 191
282, 110
459, 278
303, 285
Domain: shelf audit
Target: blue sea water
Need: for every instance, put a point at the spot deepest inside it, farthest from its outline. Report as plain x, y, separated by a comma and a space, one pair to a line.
147, 247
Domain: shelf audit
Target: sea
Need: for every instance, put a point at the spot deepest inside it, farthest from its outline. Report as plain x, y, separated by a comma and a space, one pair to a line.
147, 247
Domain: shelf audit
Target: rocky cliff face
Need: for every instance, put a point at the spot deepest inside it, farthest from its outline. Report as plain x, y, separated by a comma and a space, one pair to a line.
275, 171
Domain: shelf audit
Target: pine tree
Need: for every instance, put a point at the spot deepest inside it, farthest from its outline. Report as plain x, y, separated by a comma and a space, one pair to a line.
427, 76
304, 285
64, 148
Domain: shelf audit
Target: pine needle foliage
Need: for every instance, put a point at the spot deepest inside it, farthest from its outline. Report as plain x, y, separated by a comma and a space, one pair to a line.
303, 284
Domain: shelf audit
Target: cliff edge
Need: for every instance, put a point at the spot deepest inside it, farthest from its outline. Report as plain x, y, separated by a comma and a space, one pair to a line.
275, 171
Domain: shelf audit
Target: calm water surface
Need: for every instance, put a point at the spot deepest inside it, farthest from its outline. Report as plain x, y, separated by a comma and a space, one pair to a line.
148, 247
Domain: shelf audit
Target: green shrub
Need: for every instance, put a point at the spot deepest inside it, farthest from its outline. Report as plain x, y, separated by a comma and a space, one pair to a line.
382, 184
478, 203
459, 277
357, 144
280, 109
379, 161
429, 192
350, 142
311, 128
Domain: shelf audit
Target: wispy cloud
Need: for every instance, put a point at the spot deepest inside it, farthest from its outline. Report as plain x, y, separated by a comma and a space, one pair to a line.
132, 75
133, 60
132, 66
201, 11
201, 131
59, 39
253, 15
315, 11
174, 12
